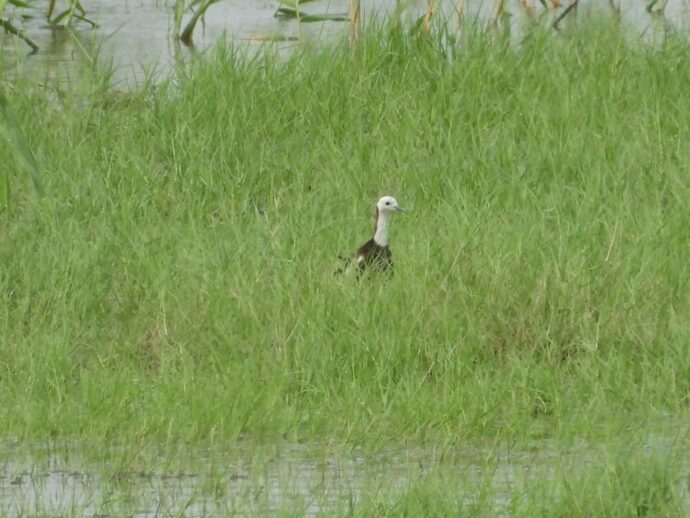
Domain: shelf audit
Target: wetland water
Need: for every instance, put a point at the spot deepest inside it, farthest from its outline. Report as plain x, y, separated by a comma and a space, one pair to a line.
306, 479
136, 35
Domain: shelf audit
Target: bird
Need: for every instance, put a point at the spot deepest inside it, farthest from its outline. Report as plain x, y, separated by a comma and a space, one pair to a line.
375, 254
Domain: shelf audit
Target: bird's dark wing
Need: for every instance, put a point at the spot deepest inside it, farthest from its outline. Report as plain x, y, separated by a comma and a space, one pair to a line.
373, 255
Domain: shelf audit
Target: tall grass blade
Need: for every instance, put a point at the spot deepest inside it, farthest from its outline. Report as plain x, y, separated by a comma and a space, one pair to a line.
177, 17
11, 130
4, 189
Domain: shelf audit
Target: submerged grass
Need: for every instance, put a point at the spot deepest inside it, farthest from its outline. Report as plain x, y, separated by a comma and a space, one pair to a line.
643, 485
176, 282
635, 474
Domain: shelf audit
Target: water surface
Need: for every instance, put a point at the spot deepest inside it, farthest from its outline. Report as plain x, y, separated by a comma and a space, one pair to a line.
307, 479
137, 35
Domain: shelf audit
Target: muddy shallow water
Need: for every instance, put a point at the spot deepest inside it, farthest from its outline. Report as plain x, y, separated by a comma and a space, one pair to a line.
136, 35
306, 479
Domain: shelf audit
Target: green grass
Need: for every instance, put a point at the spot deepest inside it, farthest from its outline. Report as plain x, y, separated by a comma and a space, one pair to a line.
175, 283
619, 486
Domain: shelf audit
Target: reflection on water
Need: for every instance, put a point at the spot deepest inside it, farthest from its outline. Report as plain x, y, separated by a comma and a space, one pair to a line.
136, 35
299, 478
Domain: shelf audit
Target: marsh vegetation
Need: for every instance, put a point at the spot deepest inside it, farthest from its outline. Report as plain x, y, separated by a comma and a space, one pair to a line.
171, 286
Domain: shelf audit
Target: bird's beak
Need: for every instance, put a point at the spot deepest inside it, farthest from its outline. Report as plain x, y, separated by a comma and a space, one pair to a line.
400, 209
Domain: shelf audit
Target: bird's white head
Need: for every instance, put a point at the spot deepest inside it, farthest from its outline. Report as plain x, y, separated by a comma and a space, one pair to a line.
388, 204
384, 208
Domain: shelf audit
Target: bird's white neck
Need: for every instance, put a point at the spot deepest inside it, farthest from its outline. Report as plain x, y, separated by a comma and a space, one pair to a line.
381, 234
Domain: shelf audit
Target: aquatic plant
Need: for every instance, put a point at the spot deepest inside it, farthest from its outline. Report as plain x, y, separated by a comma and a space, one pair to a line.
286, 8
652, 6
9, 27
74, 10
293, 9
198, 8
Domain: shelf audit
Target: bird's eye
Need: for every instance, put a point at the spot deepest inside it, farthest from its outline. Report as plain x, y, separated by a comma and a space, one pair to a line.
388, 203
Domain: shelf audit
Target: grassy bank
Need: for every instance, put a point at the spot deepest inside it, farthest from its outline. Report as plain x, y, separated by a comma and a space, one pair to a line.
175, 283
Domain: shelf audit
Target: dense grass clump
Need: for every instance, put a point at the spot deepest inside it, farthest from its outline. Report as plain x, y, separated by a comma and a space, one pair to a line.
176, 280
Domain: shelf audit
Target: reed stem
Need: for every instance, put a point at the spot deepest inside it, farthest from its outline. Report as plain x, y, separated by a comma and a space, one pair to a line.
431, 7
355, 21
499, 7
459, 13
